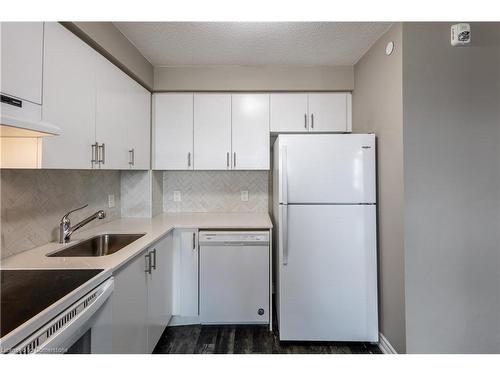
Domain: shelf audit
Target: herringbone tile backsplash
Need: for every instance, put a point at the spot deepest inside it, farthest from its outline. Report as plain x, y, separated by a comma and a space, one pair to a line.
215, 191
33, 202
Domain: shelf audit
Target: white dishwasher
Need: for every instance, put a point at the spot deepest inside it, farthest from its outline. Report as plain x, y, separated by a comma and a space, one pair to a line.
234, 277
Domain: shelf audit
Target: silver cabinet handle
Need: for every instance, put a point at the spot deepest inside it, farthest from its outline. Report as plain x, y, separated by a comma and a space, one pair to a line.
98, 153
132, 156
234, 160
101, 153
227, 159
148, 263
305, 120
312, 120
194, 241
189, 159
154, 258
94, 159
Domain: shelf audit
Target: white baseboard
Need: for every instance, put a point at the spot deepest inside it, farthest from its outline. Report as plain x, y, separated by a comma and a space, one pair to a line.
385, 346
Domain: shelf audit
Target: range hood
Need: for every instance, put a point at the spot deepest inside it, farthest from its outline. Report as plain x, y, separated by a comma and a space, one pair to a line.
23, 115
12, 126
21, 133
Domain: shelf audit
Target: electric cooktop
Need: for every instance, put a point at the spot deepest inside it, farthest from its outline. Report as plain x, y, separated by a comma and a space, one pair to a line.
25, 293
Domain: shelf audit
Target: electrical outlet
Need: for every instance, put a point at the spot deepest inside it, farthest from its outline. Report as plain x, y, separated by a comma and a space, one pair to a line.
177, 196
111, 200
244, 195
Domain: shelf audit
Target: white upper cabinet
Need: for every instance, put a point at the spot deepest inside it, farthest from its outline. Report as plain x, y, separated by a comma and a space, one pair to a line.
111, 116
289, 112
104, 116
250, 131
212, 131
224, 131
69, 99
329, 112
22, 55
311, 112
123, 118
138, 126
173, 131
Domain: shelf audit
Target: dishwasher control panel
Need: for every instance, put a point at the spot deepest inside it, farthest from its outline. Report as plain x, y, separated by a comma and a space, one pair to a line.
249, 237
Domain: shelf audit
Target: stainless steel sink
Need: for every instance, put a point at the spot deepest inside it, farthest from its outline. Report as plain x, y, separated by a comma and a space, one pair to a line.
98, 246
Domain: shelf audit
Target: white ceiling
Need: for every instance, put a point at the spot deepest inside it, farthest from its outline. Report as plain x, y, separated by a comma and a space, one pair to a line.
252, 43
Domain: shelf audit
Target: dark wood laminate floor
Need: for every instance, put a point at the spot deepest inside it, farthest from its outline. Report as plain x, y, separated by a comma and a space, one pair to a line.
245, 339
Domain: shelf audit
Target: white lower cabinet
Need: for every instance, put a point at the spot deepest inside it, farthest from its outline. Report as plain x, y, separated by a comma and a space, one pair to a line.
160, 290
130, 307
186, 267
142, 299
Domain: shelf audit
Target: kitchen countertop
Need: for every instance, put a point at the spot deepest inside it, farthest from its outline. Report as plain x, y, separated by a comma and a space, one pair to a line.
155, 228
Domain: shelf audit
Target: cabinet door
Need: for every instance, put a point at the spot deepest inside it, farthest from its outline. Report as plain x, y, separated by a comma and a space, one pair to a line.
328, 112
138, 126
68, 99
289, 113
185, 297
173, 131
112, 115
160, 290
22, 56
250, 131
130, 305
212, 131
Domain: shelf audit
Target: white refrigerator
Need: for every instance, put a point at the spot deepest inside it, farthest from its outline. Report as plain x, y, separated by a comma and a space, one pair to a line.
324, 208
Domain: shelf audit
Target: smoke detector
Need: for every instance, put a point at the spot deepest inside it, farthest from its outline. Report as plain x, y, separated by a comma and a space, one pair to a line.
460, 34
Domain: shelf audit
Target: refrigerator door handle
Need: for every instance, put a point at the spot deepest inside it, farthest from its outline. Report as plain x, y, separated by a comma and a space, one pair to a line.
285, 234
284, 176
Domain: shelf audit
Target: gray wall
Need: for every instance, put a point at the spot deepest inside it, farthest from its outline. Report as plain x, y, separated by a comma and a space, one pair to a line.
253, 78
378, 108
109, 41
452, 189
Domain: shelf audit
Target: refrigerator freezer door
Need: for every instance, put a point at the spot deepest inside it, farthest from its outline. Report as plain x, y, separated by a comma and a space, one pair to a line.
328, 286
327, 168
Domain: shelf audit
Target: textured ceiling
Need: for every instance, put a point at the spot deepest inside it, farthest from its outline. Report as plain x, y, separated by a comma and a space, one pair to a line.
252, 43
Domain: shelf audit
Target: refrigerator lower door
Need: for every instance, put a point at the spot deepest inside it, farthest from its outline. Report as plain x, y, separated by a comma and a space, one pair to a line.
328, 277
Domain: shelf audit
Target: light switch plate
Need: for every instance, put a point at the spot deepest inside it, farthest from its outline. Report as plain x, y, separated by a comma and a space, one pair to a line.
111, 200
177, 196
244, 195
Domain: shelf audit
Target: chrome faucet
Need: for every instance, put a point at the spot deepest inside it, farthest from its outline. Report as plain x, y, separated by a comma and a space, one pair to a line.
65, 228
